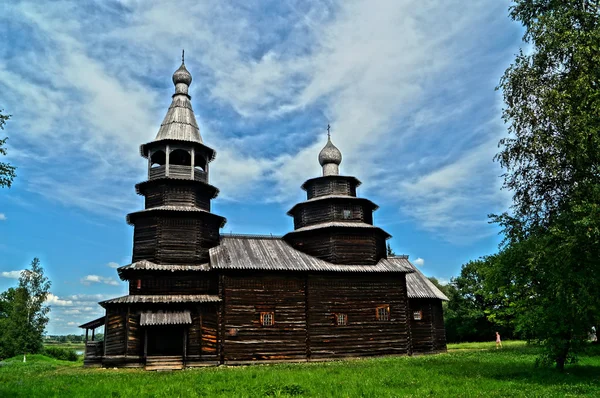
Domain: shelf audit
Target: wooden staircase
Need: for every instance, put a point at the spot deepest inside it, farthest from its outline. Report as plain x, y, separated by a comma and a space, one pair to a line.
164, 363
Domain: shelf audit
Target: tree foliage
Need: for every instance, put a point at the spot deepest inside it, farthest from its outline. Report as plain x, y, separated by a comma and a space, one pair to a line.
7, 171
477, 309
552, 163
23, 314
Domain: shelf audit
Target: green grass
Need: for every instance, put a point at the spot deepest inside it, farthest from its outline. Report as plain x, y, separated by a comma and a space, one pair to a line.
476, 371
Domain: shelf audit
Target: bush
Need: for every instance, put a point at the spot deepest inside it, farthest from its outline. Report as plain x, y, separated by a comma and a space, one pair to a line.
63, 354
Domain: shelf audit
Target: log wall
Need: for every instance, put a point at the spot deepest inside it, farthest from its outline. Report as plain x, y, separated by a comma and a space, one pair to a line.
319, 212
331, 186
198, 282
174, 194
145, 235
345, 247
174, 239
209, 343
358, 298
428, 334
115, 337
245, 297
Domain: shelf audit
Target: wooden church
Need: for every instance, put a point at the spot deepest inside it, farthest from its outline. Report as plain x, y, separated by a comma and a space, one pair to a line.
325, 290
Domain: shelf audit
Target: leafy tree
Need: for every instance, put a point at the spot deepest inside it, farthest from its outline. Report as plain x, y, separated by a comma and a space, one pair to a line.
552, 163
7, 172
23, 315
389, 251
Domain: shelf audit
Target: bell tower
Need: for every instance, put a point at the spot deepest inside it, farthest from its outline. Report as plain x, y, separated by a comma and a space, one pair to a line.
176, 225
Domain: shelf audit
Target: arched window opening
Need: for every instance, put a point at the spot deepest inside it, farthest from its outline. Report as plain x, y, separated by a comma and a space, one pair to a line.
200, 162
180, 157
157, 159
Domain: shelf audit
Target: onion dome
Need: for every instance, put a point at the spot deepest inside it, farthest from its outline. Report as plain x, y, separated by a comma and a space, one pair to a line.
182, 75
330, 158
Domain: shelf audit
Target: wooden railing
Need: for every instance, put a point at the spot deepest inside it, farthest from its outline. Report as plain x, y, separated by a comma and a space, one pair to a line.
94, 349
177, 171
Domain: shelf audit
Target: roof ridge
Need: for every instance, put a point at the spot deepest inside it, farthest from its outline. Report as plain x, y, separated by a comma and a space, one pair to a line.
251, 236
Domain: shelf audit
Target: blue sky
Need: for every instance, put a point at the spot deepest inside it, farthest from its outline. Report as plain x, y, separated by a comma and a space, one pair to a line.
407, 86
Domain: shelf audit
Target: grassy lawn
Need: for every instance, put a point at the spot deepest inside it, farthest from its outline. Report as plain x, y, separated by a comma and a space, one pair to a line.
468, 370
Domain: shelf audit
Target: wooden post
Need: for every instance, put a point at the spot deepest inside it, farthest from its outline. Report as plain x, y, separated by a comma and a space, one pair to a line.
184, 343
167, 161
193, 161
145, 343
93, 333
86, 334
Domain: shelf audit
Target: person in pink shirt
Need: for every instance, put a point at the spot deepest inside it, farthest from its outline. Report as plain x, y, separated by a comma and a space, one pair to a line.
498, 341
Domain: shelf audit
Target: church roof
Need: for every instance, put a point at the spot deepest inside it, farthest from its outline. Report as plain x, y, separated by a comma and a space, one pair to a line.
246, 252
162, 299
419, 286
145, 265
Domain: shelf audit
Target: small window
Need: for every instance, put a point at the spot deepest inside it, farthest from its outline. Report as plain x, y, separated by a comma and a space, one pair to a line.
383, 313
341, 319
347, 214
139, 283
267, 318
417, 315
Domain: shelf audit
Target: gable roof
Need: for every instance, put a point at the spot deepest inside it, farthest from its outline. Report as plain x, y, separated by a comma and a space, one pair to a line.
239, 252
419, 286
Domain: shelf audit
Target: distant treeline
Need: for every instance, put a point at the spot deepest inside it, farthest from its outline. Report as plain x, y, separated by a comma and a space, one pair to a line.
70, 338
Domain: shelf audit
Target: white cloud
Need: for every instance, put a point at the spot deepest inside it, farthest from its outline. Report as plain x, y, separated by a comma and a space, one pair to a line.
112, 264
403, 85
72, 312
55, 300
419, 262
12, 274
88, 279
2, 217
72, 323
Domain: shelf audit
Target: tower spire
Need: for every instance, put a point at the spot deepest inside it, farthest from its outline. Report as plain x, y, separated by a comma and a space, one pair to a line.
183, 56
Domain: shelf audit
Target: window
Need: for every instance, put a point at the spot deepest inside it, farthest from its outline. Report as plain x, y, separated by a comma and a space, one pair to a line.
418, 315
341, 319
267, 318
139, 283
383, 313
346, 214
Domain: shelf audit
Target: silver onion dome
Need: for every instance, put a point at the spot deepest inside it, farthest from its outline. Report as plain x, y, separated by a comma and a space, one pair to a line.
182, 75
330, 154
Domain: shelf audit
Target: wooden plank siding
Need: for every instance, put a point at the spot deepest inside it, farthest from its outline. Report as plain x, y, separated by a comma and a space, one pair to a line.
245, 297
135, 336
175, 239
159, 283
428, 334
183, 194
358, 298
333, 185
333, 211
342, 247
209, 327
116, 335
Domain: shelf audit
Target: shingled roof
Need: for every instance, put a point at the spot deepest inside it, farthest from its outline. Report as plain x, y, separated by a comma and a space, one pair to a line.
419, 286
249, 252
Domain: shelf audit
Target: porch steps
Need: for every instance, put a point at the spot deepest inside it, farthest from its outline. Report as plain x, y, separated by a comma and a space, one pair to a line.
164, 363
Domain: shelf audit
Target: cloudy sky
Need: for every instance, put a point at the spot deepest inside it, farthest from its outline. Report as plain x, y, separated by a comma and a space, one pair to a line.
407, 86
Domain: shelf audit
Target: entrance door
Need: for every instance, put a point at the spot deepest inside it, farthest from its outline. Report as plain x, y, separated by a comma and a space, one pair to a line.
165, 340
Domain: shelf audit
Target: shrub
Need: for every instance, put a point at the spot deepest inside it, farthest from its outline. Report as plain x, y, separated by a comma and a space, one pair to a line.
63, 354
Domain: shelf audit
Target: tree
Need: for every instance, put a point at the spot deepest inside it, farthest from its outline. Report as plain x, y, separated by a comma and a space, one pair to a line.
23, 315
7, 172
389, 251
552, 166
